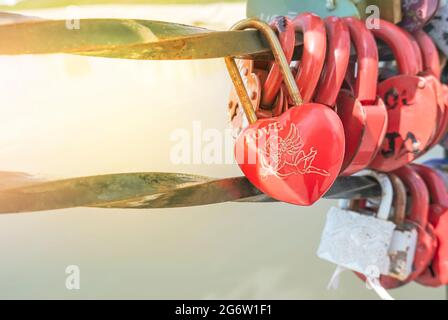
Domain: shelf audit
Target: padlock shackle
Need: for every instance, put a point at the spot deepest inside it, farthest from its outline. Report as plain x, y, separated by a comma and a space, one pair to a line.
402, 47
435, 184
280, 58
314, 52
417, 51
416, 186
336, 64
387, 191
287, 36
430, 54
400, 199
368, 60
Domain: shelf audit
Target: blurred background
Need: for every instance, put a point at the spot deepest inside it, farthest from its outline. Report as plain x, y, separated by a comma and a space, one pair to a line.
68, 116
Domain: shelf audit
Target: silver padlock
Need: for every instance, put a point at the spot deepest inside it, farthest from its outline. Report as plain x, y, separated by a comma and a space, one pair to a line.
360, 242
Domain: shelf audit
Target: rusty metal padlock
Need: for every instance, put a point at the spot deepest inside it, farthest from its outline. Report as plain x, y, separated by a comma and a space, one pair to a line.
253, 86
411, 104
402, 249
404, 242
362, 112
264, 87
436, 274
337, 58
417, 219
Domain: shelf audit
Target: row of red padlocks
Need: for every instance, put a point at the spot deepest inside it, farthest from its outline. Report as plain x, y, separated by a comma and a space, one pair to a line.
356, 111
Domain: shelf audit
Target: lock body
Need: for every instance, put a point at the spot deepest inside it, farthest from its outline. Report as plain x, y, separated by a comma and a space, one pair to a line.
362, 240
402, 253
410, 100
356, 242
436, 273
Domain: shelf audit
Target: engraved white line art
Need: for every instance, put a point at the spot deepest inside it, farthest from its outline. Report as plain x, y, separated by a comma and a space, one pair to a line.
285, 157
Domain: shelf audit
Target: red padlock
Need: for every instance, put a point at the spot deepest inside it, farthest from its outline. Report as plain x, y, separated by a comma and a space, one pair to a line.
274, 110
417, 51
274, 80
417, 219
337, 59
297, 156
363, 114
411, 104
308, 70
274, 94
314, 52
432, 73
437, 272
444, 131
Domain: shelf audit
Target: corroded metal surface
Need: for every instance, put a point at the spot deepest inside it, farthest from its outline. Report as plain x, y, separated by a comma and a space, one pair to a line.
42, 4
126, 39
145, 190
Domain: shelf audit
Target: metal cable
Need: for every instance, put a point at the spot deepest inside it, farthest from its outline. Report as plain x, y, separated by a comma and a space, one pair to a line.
149, 190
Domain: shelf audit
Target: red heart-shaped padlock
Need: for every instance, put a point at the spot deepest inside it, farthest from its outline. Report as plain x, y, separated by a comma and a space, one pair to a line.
295, 157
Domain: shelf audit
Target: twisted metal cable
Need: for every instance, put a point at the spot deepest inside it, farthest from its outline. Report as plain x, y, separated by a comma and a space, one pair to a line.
22, 193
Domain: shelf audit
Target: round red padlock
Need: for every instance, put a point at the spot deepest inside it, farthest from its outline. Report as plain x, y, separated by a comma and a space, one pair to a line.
337, 59
432, 73
417, 218
436, 274
363, 114
410, 101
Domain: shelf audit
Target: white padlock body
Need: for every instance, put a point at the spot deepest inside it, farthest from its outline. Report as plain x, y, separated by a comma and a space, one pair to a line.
402, 253
356, 242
